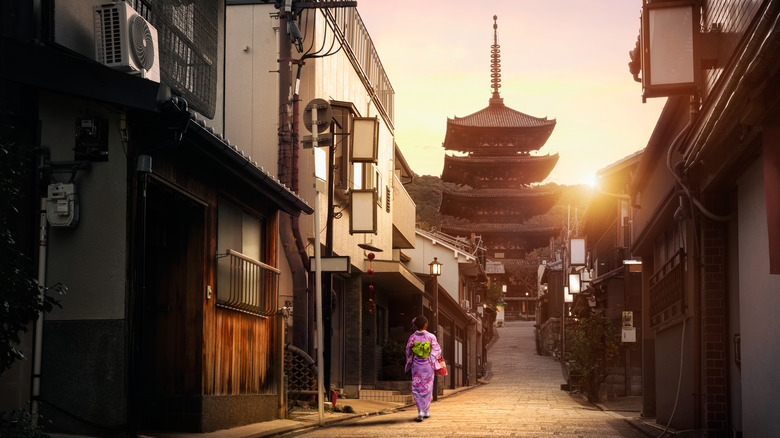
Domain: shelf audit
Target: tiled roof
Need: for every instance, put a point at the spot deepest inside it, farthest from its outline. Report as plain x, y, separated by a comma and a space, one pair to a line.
498, 115
292, 203
500, 228
502, 159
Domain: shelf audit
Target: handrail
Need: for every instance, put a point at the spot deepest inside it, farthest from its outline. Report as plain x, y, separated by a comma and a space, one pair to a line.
251, 260
251, 286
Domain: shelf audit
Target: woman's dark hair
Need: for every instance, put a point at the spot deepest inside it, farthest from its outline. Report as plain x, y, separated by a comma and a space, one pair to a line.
419, 322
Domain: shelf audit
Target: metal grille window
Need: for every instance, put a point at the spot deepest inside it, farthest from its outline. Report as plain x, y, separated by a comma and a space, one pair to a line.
667, 291
188, 33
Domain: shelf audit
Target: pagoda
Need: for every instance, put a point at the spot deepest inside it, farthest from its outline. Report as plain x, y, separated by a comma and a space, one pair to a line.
496, 170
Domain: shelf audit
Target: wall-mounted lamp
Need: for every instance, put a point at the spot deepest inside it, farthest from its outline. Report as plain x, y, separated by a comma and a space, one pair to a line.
575, 286
634, 265
577, 252
362, 218
673, 49
365, 139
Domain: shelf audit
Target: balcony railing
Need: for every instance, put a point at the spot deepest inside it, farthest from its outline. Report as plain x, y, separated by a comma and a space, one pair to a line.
246, 285
356, 42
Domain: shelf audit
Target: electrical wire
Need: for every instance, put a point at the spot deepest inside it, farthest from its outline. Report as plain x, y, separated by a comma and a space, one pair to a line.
679, 380
686, 190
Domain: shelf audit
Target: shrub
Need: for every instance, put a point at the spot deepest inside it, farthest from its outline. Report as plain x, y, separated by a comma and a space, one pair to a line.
593, 343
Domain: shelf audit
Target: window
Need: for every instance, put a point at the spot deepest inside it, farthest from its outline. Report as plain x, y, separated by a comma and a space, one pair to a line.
244, 282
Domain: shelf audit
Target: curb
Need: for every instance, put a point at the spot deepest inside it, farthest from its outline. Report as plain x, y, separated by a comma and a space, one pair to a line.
356, 417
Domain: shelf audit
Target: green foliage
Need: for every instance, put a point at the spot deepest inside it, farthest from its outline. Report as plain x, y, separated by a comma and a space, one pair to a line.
592, 344
20, 300
426, 192
20, 423
493, 293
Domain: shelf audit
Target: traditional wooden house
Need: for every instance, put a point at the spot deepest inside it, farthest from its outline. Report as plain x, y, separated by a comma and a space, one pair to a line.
496, 171
707, 226
164, 232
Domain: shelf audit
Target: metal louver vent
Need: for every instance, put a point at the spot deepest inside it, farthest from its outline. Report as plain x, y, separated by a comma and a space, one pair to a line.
108, 36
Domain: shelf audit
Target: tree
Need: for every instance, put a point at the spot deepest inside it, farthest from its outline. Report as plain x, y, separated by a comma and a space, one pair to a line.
592, 344
21, 301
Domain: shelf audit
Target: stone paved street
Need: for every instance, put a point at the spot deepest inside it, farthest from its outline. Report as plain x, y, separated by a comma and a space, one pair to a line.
523, 399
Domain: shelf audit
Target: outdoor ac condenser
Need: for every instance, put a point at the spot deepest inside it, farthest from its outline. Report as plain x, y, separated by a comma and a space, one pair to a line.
124, 40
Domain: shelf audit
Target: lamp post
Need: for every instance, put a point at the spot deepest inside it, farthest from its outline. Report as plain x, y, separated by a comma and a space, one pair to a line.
435, 271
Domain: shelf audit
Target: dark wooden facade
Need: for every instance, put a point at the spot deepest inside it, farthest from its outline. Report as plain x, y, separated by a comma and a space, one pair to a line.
201, 360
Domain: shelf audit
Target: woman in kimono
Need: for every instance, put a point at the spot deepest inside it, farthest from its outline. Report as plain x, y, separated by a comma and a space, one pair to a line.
422, 356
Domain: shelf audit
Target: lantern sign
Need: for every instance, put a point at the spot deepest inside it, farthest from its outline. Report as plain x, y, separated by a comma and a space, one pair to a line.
365, 139
362, 217
670, 49
577, 252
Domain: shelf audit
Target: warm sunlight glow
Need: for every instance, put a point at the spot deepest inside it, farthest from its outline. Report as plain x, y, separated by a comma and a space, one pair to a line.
590, 93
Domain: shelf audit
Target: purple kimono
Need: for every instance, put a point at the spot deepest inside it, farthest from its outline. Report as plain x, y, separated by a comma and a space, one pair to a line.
421, 343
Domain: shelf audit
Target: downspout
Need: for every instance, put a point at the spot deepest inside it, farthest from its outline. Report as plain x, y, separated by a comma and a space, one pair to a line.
289, 230
38, 342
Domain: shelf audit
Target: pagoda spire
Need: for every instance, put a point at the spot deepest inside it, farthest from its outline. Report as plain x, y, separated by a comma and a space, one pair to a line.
495, 66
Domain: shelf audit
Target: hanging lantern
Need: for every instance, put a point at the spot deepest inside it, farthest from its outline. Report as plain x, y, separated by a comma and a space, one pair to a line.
371, 304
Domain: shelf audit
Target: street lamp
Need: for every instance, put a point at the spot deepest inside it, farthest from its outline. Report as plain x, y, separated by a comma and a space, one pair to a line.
435, 271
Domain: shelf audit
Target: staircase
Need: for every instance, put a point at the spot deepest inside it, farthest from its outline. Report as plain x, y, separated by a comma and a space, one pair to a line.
386, 396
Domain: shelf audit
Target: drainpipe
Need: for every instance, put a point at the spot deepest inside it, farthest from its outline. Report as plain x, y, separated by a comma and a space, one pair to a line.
38, 342
289, 231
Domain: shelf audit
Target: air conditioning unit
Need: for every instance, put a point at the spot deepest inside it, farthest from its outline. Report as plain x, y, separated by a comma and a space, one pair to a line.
124, 40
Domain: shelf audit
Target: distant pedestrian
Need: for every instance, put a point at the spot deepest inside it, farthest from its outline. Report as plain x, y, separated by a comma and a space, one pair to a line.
422, 358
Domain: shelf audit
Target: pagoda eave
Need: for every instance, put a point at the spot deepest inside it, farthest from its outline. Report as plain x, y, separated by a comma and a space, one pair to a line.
507, 234
496, 139
517, 169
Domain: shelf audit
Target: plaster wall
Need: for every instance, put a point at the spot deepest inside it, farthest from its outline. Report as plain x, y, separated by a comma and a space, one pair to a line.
90, 259
422, 255
758, 302
671, 385
252, 82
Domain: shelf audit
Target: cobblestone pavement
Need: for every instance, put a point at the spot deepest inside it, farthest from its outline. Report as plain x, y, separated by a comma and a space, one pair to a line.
523, 398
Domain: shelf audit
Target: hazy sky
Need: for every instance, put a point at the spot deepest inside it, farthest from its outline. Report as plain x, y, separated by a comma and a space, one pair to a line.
562, 59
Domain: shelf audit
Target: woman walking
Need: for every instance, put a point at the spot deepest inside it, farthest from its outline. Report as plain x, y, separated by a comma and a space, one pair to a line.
422, 357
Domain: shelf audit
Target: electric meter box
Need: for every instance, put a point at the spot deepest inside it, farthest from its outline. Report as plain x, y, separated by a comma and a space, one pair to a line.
62, 205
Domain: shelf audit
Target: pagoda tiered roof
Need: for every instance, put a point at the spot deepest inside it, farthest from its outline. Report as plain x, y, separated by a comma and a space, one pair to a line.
480, 171
497, 205
497, 172
497, 236
496, 130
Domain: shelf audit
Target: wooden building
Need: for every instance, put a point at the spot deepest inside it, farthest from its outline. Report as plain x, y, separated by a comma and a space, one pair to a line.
496, 169
706, 230
164, 232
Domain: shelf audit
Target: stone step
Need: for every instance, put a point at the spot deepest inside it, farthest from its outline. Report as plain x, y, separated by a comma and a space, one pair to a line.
388, 396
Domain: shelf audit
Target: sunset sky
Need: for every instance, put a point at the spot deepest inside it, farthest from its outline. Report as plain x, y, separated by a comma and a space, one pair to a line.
562, 59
